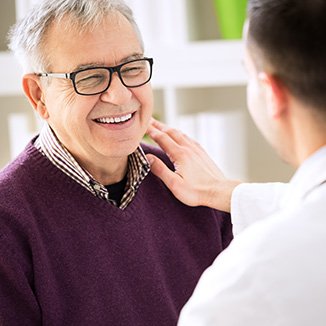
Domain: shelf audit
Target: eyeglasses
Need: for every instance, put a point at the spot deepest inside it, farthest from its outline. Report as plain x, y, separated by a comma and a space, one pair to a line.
96, 80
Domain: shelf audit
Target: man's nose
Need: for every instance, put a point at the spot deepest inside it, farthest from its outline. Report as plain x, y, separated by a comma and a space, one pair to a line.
117, 93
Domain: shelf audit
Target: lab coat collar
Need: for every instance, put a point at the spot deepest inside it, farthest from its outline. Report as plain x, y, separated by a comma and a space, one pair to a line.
310, 175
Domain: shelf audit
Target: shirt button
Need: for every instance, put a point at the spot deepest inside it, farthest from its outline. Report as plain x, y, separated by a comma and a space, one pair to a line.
97, 187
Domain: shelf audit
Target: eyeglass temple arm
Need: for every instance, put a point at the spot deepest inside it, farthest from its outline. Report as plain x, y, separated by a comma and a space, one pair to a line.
55, 75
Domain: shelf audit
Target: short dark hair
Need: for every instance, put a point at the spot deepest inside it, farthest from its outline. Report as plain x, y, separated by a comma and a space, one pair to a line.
290, 37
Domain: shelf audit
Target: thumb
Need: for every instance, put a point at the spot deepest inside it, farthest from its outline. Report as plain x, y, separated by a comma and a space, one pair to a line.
170, 178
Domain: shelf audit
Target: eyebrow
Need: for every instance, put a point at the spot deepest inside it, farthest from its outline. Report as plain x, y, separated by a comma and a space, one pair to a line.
134, 56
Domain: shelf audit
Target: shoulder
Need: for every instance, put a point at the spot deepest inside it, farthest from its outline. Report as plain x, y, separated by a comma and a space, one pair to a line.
200, 213
285, 237
283, 253
151, 149
22, 176
18, 168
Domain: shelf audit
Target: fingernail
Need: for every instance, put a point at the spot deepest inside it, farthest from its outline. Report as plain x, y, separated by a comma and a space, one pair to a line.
150, 160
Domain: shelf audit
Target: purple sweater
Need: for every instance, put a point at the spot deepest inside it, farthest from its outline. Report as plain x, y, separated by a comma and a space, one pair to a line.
69, 258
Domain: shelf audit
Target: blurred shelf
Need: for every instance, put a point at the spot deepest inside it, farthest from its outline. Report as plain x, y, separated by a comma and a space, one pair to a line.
198, 64
10, 81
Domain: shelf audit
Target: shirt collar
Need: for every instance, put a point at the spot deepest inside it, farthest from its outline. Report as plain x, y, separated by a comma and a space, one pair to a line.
310, 175
138, 167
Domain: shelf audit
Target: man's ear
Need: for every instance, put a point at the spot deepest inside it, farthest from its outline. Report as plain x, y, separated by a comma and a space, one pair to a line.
276, 95
33, 90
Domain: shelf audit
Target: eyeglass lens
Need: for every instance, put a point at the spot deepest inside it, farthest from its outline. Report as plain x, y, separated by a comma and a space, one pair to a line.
96, 80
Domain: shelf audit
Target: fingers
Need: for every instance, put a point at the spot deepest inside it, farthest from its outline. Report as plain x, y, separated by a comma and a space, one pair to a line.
167, 143
170, 178
157, 124
158, 128
196, 180
173, 181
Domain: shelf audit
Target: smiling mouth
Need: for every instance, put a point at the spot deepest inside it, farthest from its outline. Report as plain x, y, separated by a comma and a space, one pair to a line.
115, 120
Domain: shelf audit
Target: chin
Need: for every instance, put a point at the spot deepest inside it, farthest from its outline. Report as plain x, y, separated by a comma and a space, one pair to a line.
124, 149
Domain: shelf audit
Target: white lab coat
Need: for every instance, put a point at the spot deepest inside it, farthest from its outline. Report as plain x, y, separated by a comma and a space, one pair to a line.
274, 272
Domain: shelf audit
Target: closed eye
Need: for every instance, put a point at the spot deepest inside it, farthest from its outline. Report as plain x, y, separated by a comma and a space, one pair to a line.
95, 79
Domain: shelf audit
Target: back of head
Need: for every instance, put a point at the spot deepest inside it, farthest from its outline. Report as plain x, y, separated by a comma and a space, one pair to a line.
288, 39
27, 37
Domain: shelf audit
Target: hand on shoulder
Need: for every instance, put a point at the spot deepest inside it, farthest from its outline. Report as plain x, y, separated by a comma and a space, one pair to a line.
196, 181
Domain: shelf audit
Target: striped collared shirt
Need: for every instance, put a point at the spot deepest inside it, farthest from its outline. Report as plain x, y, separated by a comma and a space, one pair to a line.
138, 167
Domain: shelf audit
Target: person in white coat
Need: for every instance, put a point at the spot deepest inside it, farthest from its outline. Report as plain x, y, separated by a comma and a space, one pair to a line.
274, 271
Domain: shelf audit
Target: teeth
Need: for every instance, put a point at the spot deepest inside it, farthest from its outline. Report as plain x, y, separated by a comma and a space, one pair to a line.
115, 120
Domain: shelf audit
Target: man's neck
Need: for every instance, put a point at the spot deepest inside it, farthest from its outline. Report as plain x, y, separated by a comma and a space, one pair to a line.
112, 170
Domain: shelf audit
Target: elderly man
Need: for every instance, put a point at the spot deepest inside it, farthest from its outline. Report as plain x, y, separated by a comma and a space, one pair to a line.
274, 272
88, 235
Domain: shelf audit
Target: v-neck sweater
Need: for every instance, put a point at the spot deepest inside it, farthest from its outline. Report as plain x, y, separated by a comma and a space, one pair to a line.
70, 258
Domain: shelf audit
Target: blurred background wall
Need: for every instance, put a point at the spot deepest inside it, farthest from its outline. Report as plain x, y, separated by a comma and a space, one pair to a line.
198, 83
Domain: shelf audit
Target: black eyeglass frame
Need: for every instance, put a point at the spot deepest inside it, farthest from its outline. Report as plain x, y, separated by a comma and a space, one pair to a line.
112, 70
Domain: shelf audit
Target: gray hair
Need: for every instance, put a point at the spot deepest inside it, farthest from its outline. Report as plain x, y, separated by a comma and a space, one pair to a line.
26, 37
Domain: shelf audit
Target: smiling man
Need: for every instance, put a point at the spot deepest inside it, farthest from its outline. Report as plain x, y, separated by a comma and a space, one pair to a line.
88, 235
